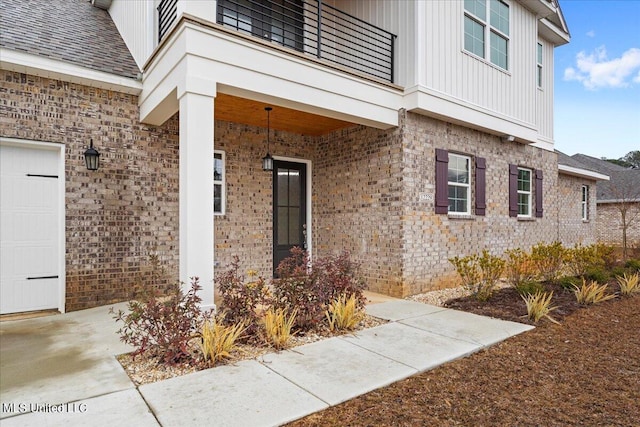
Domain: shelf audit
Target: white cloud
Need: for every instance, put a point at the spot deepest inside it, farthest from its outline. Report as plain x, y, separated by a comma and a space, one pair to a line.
597, 71
591, 34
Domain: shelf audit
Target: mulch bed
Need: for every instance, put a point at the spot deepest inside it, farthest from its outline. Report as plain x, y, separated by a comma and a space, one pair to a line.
584, 371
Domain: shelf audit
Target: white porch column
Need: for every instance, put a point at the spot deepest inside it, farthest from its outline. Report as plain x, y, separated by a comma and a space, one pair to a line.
196, 190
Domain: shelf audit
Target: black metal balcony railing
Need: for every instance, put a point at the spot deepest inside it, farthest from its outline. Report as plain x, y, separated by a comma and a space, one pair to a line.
308, 26
167, 14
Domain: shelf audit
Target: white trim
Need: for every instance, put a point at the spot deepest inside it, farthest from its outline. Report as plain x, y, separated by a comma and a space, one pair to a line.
309, 197
584, 202
62, 285
530, 192
467, 185
223, 182
581, 173
54, 69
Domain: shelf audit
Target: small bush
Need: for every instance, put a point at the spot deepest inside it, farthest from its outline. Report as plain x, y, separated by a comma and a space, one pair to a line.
539, 306
581, 259
242, 299
591, 293
633, 264
218, 340
548, 259
310, 287
162, 326
629, 284
277, 327
596, 274
479, 273
519, 267
530, 288
568, 282
343, 313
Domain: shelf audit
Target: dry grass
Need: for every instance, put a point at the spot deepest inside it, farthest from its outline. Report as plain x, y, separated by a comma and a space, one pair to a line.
277, 327
629, 284
591, 293
218, 340
343, 314
539, 306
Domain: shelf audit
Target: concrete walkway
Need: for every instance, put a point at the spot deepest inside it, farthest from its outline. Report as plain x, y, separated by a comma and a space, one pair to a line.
68, 360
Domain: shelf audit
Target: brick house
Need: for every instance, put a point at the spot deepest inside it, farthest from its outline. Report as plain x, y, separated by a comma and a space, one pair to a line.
405, 132
622, 189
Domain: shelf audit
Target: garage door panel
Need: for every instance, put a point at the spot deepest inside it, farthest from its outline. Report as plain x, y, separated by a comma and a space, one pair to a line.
30, 233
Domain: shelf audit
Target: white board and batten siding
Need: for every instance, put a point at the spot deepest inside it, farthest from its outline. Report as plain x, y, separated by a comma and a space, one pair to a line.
31, 226
137, 23
430, 54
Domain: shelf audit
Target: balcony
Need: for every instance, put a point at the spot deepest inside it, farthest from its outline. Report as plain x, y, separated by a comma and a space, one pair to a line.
307, 26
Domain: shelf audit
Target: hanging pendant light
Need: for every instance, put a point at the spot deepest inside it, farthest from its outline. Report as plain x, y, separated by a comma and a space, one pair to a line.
267, 161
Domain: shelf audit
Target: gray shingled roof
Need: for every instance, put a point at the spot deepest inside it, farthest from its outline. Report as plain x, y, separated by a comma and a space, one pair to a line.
596, 164
566, 160
68, 30
623, 182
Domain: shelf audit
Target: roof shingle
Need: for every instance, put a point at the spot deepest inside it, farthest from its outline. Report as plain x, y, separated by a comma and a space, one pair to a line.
67, 30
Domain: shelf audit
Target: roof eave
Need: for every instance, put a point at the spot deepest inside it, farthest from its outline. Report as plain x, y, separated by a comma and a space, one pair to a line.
36, 65
551, 32
581, 173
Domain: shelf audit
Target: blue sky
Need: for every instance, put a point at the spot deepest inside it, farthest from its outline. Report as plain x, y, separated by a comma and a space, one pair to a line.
597, 79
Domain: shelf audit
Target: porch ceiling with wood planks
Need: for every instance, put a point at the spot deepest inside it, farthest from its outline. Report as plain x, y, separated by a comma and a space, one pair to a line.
241, 110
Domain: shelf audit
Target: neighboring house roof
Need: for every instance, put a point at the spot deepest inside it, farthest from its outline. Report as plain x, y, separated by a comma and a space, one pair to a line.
570, 166
624, 184
67, 30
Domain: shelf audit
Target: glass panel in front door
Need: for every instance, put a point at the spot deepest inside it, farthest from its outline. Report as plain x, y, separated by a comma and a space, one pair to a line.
289, 209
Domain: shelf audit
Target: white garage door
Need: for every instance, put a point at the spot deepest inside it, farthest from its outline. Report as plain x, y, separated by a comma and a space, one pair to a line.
30, 230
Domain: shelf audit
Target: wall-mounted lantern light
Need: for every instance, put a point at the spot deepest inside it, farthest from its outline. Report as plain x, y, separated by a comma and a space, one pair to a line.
92, 158
267, 161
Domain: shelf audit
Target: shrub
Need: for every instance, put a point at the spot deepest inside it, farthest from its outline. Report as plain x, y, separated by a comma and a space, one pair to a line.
629, 284
479, 273
530, 287
344, 314
568, 282
581, 259
162, 326
310, 287
242, 299
277, 327
606, 254
633, 264
596, 274
548, 260
519, 267
218, 340
591, 293
539, 306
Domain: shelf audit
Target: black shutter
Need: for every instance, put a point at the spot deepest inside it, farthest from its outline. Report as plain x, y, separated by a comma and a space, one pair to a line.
442, 182
513, 190
538, 194
481, 166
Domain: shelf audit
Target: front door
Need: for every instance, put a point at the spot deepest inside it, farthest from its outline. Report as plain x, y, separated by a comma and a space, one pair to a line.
289, 208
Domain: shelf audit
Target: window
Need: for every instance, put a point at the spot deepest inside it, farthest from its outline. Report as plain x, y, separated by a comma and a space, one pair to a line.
453, 184
219, 190
539, 61
459, 184
524, 192
477, 30
585, 202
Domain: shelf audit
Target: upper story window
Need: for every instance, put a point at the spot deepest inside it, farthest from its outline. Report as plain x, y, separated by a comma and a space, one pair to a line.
539, 62
487, 37
459, 184
524, 192
585, 202
219, 190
